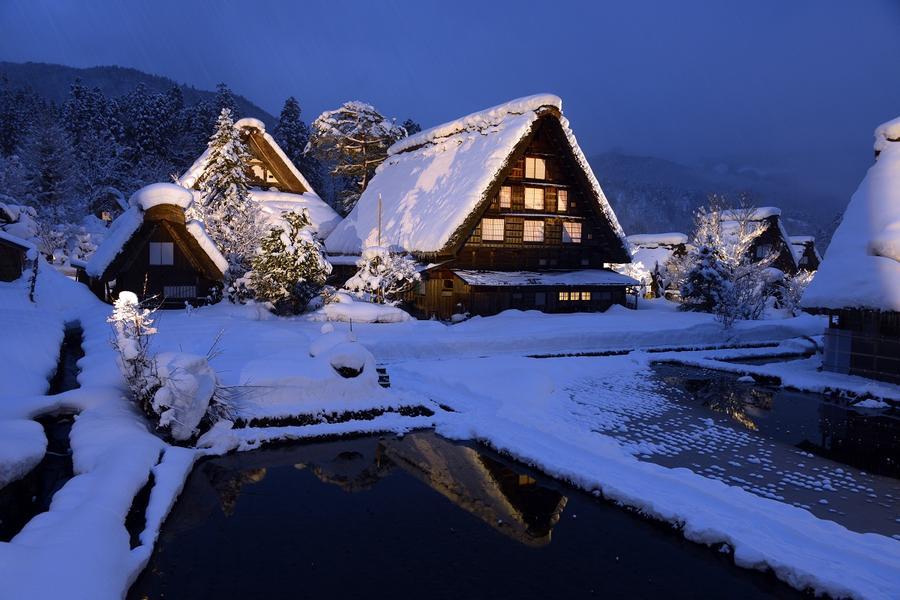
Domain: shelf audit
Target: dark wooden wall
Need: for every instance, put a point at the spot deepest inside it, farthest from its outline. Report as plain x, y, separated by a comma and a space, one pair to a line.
865, 343
772, 235
12, 262
563, 173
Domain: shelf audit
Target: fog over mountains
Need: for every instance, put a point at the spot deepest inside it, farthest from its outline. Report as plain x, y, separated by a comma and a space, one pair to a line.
649, 194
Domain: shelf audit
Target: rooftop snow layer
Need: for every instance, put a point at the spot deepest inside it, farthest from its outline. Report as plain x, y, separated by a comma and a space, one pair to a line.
887, 132
862, 265
251, 123
274, 204
156, 194
587, 277
657, 239
477, 121
755, 214
120, 231
17, 241
432, 181
802, 239
198, 232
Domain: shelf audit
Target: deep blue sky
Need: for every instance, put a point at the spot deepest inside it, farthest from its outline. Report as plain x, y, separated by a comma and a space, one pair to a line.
787, 85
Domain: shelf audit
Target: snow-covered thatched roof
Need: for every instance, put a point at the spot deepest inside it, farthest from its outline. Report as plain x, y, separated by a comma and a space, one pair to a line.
657, 239
433, 181
861, 268
274, 201
16, 241
129, 222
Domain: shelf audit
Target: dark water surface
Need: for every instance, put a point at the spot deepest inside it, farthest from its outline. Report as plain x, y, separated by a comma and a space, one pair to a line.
417, 516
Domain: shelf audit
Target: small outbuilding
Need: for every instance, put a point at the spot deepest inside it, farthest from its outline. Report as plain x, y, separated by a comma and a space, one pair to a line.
805, 253
502, 210
858, 282
154, 251
774, 238
14, 253
653, 251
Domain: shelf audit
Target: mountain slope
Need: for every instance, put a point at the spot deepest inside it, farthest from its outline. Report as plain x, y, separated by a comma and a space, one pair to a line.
53, 81
653, 195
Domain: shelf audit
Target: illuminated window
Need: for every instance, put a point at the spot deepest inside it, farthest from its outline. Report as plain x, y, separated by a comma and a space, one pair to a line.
571, 233
535, 168
564, 296
562, 200
162, 253
534, 231
534, 198
585, 295
505, 196
492, 230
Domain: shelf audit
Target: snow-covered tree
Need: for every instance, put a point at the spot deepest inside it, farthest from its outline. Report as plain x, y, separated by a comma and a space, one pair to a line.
353, 140
791, 290
49, 166
292, 134
290, 267
411, 127
383, 276
707, 282
230, 215
133, 326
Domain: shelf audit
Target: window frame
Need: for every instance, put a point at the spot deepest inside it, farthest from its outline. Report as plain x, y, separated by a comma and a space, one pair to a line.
567, 236
505, 202
157, 254
541, 228
535, 191
562, 200
484, 229
534, 161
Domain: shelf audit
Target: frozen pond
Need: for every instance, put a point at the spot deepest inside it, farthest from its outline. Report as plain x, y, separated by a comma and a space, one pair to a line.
417, 516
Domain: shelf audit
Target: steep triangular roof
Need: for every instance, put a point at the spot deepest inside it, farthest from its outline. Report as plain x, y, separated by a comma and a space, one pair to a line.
291, 192
861, 268
435, 183
763, 215
155, 202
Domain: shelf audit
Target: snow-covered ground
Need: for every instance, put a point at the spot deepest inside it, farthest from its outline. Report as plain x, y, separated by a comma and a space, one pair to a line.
580, 419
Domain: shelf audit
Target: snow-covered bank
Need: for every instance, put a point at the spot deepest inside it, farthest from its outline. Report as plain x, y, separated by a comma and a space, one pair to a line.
516, 405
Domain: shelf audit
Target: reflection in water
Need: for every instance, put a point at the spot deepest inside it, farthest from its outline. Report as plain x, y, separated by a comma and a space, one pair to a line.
866, 440
511, 502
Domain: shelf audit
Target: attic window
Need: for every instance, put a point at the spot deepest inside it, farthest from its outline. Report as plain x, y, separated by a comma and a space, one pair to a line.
505, 196
492, 230
763, 250
535, 168
562, 200
534, 231
162, 253
534, 198
571, 233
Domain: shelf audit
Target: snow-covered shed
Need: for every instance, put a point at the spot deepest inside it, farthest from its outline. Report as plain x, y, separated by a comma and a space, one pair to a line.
858, 281
153, 251
505, 191
651, 253
806, 254
14, 252
276, 182
773, 239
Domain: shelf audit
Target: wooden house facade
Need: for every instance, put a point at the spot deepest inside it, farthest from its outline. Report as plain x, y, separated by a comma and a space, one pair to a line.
858, 282
774, 238
153, 251
13, 256
503, 212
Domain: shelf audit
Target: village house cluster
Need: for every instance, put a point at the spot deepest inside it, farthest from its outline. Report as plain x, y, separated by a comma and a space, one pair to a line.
500, 210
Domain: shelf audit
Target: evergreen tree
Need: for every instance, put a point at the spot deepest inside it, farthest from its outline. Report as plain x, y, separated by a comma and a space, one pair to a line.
49, 167
353, 140
707, 283
292, 134
290, 267
231, 216
225, 99
411, 127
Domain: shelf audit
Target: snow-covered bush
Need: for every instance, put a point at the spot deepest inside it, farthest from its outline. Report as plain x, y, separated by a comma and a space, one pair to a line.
383, 276
792, 289
173, 389
706, 284
343, 307
289, 268
133, 327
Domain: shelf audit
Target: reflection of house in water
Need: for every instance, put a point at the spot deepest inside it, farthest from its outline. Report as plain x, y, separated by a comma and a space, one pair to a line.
511, 502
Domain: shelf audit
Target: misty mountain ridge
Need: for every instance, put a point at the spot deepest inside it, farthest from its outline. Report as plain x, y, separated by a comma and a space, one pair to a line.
52, 82
651, 194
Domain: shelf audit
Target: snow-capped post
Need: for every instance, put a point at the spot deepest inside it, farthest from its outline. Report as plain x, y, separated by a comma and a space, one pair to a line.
383, 276
226, 209
133, 327
290, 267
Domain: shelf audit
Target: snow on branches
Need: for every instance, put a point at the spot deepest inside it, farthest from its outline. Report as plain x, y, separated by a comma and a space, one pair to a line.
290, 267
227, 210
383, 276
353, 140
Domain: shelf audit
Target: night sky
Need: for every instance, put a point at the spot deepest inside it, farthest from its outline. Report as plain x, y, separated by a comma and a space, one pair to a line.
791, 86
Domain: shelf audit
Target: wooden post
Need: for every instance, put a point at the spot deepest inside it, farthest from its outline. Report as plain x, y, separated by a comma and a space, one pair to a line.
379, 219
